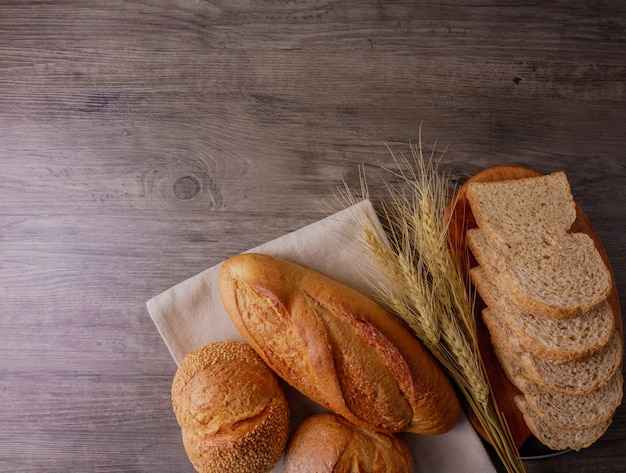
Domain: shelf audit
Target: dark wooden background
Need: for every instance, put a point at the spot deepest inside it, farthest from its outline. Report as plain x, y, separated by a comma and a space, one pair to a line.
142, 142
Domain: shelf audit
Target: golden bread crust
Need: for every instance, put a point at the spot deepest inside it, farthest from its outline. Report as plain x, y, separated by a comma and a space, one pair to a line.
337, 346
327, 443
231, 408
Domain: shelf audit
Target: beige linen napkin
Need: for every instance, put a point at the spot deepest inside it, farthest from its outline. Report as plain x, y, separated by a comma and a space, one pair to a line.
190, 315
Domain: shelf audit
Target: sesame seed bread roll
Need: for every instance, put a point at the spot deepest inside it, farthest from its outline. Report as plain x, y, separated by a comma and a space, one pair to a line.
232, 411
327, 443
337, 346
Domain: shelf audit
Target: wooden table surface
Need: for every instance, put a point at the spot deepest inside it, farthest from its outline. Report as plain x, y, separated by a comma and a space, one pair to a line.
142, 142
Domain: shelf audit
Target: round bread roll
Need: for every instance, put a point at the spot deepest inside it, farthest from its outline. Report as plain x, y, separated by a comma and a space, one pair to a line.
328, 443
232, 411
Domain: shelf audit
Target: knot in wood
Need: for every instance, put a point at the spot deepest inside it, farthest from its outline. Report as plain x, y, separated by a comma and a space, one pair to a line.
187, 187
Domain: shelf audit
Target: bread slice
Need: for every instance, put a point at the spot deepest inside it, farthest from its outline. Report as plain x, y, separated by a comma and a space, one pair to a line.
515, 210
556, 340
555, 437
576, 377
524, 232
578, 411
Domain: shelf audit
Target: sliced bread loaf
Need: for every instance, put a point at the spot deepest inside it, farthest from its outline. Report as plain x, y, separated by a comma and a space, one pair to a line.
555, 437
558, 341
578, 411
524, 231
576, 377
557, 280
546, 289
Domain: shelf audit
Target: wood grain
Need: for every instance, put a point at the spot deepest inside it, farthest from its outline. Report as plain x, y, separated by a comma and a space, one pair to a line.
142, 142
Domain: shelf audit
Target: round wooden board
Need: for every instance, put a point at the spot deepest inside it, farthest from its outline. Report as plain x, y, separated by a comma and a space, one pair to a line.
462, 219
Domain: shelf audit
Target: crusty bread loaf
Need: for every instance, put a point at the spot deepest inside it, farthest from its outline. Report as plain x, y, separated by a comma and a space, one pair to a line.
337, 346
557, 340
579, 376
231, 408
327, 443
526, 224
555, 437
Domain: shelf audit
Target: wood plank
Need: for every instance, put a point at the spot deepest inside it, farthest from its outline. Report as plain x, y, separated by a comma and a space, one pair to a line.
142, 142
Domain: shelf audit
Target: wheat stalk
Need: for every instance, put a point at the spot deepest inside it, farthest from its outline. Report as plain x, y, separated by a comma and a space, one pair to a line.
428, 291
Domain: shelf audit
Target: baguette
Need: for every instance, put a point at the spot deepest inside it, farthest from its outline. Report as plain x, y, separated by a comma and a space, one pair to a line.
337, 346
